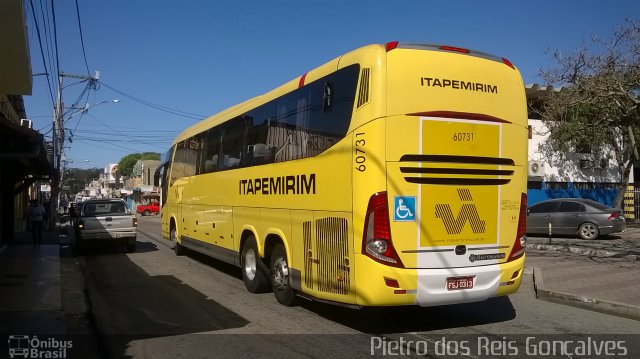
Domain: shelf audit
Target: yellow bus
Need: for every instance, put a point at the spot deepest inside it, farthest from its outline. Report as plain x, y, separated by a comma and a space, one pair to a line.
394, 174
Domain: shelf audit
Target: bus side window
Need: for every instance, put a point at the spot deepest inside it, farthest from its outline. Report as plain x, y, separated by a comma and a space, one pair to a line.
191, 152
232, 142
257, 130
178, 162
209, 161
261, 153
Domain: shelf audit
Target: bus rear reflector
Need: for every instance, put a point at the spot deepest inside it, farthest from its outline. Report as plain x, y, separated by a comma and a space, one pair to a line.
391, 45
391, 282
521, 236
376, 238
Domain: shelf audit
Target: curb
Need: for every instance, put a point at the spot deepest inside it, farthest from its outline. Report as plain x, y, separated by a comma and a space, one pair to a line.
597, 305
594, 252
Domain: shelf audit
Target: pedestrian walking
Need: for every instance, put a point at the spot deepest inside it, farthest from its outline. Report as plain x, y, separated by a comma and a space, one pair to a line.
65, 205
47, 213
35, 216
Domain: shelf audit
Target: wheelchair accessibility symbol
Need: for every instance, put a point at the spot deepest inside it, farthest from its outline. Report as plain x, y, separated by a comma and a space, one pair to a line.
404, 209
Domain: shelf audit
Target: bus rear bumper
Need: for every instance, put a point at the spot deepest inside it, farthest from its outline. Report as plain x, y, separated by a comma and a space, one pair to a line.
488, 281
428, 287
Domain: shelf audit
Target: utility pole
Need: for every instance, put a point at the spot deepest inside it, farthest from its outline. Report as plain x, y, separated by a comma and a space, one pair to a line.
58, 143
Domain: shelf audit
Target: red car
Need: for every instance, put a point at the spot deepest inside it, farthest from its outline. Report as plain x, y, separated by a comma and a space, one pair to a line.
147, 209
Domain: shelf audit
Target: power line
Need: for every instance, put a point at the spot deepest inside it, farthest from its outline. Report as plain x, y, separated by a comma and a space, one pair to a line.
96, 145
133, 129
84, 54
55, 38
122, 133
44, 63
44, 8
194, 116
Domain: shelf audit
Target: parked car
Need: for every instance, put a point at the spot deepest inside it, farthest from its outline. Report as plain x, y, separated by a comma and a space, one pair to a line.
147, 209
105, 220
574, 216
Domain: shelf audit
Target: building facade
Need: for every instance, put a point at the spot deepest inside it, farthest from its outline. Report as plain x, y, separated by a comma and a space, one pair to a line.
22, 149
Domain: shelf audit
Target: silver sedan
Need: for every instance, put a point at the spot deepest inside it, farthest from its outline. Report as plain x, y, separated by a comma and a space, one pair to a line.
574, 216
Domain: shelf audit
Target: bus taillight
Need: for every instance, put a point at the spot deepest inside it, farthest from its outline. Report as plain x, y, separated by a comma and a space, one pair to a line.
508, 63
376, 241
521, 237
453, 48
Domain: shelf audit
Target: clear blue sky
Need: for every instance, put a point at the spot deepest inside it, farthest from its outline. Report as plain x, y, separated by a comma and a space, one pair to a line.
204, 56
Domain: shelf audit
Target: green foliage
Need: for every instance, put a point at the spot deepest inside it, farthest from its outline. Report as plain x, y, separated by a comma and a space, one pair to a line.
150, 156
75, 179
125, 166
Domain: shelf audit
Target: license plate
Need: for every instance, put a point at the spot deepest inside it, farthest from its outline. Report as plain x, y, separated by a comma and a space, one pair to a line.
456, 283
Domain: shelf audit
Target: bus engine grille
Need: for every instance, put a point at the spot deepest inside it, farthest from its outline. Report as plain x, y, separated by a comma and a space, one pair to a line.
457, 170
332, 252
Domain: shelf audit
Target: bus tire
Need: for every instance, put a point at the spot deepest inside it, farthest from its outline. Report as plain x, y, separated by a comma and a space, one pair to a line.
254, 272
280, 277
177, 247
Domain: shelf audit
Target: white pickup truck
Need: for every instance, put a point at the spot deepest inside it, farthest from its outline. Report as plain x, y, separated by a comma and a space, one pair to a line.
105, 220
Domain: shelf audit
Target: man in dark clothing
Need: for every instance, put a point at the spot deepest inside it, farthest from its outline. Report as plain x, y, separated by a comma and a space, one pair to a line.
35, 216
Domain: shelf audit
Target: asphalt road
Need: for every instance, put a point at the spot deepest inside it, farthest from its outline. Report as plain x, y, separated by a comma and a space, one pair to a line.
153, 304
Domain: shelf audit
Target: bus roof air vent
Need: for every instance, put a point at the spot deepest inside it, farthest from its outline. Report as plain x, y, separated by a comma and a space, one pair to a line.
363, 92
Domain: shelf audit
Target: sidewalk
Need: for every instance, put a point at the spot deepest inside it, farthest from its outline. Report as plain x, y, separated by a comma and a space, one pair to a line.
31, 301
600, 275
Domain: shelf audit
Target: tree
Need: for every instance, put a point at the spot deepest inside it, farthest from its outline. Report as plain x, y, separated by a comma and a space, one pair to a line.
75, 179
597, 105
125, 166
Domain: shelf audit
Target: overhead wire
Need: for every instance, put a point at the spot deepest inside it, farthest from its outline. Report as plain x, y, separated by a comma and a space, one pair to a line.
122, 133
48, 34
84, 54
55, 39
194, 116
44, 63
92, 143
74, 106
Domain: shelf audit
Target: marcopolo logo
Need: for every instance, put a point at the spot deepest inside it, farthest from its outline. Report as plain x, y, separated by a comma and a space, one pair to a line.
486, 257
468, 213
24, 346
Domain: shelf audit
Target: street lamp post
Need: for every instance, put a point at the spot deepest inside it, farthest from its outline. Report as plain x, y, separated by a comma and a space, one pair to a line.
87, 107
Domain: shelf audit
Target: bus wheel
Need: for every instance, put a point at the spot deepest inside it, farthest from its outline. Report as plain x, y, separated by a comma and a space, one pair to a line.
177, 248
280, 277
254, 273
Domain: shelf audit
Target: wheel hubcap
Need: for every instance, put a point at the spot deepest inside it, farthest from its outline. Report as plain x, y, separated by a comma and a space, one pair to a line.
280, 274
250, 264
589, 231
